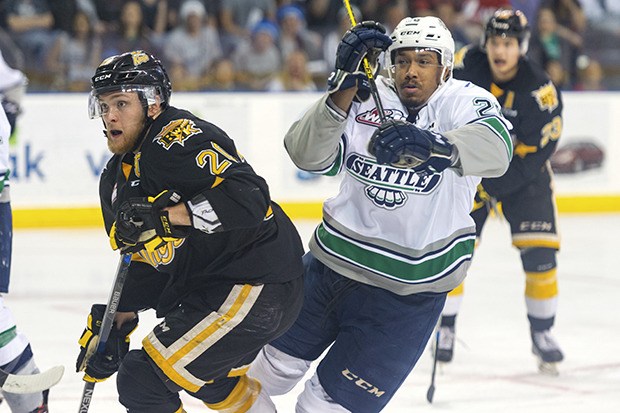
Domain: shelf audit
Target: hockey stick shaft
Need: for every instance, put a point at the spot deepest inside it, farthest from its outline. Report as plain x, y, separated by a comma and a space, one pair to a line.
431, 389
106, 324
374, 92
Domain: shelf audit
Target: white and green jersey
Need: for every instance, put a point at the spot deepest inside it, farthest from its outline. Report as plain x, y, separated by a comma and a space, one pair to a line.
390, 227
5, 133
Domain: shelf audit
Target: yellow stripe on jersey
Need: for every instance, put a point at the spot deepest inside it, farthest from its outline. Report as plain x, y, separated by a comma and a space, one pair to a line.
174, 359
126, 169
269, 214
218, 180
522, 150
240, 399
541, 285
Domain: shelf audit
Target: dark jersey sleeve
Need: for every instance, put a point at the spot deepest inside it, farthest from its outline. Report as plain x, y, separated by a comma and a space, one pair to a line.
205, 167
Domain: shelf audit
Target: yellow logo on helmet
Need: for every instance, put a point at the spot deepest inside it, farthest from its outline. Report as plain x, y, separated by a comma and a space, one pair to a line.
139, 57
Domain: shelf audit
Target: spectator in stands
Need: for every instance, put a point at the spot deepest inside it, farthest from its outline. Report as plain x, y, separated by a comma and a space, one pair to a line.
29, 23
238, 17
155, 13
191, 49
109, 11
477, 12
294, 35
393, 13
322, 16
258, 60
528, 7
75, 55
557, 73
12, 54
222, 77
548, 44
571, 24
333, 37
447, 11
590, 75
131, 34
295, 76
603, 14
568, 14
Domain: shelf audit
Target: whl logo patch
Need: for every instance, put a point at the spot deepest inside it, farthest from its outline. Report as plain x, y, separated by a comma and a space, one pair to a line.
371, 117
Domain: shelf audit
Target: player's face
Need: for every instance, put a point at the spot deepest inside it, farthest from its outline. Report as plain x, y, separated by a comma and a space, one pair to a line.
417, 75
123, 116
503, 55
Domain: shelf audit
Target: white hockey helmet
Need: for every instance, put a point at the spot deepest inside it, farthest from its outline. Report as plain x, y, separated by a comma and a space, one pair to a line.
427, 32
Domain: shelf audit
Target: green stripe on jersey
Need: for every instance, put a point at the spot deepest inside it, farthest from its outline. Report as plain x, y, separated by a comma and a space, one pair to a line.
498, 127
7, 336
409, 270
333, 171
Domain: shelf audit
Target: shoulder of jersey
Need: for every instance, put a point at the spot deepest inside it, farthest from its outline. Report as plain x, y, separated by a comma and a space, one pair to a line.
180, 127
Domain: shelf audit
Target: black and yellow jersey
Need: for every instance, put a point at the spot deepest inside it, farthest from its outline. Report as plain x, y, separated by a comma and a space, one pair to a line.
255, 242
531, 103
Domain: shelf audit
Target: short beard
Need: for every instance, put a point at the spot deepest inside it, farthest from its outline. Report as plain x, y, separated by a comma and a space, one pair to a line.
121, 147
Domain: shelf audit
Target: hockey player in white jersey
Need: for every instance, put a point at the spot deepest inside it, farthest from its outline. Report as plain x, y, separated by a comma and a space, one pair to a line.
15, 352
398, 236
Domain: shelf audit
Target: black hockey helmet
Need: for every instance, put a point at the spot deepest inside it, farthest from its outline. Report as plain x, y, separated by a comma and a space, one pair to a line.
508, 23
136, 71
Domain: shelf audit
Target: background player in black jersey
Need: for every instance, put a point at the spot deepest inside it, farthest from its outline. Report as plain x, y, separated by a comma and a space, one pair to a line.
534, 107
216, 258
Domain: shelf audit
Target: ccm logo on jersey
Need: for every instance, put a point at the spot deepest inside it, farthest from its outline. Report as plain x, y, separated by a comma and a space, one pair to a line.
360, 382
372, 118
177, 131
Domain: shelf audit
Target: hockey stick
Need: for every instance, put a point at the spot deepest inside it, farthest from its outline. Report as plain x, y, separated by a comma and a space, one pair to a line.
431, 389
30, 383
371, 78
106, 323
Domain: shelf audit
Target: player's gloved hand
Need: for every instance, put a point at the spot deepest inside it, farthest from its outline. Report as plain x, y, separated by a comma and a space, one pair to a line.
99, 366
404, 145
366, 39
142, 223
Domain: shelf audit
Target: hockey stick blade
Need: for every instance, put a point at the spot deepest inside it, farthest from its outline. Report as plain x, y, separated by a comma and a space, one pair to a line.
30, 383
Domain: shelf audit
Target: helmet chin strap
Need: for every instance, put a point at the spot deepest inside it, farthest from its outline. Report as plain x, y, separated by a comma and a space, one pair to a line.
148, 121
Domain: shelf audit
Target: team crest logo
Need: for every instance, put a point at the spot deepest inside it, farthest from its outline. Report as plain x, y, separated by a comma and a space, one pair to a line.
177, 131
139, 58
547, 97
372, 118
387, 186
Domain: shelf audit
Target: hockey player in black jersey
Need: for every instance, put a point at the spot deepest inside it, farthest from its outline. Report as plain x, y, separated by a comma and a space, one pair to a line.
213, 255
533, 105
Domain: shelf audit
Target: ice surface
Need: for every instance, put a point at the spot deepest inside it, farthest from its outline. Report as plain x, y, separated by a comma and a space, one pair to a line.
58, 274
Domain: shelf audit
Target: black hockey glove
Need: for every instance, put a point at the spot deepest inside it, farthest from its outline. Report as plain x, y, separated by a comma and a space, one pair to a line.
99, 366
366, 39
404, 145
141, 223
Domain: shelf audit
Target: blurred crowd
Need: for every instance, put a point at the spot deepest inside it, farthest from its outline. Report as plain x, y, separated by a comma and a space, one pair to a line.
280, 45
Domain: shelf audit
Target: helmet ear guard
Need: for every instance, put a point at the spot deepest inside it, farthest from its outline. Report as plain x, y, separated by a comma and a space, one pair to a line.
508, 23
